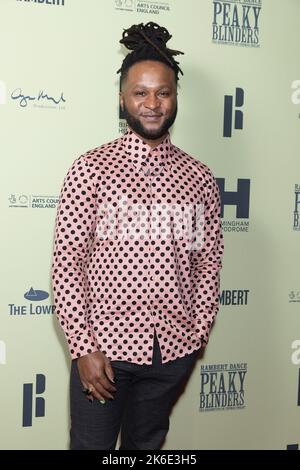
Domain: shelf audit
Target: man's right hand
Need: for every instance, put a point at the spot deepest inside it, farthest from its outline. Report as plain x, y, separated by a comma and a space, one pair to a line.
96, 373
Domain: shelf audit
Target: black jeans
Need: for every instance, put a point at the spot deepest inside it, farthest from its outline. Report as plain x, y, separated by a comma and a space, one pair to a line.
141, 408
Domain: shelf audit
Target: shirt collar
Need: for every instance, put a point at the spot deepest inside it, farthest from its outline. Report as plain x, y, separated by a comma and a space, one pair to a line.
150, 160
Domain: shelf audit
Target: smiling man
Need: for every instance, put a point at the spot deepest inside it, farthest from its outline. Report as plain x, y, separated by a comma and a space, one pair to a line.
136, 264
149, 100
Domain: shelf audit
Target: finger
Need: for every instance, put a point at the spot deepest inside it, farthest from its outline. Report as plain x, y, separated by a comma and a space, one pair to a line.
109, 371
107, 387
87, 391
105, 382
92, 393
105, 394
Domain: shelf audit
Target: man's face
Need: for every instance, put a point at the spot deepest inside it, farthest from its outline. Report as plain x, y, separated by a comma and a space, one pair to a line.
149, 99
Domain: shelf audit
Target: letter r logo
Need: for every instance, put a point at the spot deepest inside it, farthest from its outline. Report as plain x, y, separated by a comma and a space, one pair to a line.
40, 387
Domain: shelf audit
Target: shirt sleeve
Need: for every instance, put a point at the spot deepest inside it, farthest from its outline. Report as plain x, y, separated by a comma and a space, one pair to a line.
74, 231
206, 262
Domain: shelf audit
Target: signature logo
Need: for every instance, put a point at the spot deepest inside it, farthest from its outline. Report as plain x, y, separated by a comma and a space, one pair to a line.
17, 94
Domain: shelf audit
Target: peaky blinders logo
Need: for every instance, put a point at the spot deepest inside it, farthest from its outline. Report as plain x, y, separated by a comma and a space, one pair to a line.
236, 22
222, 386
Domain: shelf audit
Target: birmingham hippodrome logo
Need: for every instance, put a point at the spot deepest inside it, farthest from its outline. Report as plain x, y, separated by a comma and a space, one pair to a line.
240, 201
236, 22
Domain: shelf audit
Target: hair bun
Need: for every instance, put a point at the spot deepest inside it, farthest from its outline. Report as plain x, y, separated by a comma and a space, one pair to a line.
151, 34
149, 40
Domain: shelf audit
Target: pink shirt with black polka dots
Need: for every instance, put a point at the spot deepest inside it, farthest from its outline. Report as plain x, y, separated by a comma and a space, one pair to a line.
125, 263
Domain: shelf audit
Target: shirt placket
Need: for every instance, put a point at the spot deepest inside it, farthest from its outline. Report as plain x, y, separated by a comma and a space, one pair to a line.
151, 243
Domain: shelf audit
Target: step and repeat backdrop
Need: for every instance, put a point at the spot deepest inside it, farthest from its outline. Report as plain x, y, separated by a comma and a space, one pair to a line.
239, 113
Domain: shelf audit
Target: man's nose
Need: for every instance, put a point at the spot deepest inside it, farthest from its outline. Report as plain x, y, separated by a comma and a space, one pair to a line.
152, 102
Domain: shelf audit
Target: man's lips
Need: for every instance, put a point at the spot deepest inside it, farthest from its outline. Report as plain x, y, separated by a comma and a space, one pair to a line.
151, 117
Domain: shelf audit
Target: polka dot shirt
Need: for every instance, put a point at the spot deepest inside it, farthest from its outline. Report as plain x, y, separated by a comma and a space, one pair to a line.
138, 248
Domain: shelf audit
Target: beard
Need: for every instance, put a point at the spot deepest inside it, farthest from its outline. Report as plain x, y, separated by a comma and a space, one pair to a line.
154, 134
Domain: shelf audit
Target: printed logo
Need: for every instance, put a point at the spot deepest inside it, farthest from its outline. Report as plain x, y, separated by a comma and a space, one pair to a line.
295, 357
122, 120
127, 5
2, 92
40, 100
162, 221
2, 353
294, 296
296, 94
146, 7
241, 200
222, 386
236, 22
30, 201
39, 402
228, 112
296, 220
234, 297
33, 295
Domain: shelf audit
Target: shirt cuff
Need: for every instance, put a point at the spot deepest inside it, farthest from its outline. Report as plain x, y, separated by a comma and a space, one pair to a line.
81, 344
202, 330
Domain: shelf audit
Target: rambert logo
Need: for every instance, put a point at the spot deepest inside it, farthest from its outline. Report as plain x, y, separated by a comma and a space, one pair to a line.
58, 3
234, 297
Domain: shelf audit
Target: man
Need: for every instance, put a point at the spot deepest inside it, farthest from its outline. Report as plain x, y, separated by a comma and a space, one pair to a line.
136, 296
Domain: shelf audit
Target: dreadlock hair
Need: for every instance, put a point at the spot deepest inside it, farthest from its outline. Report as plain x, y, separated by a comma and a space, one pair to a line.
148, 42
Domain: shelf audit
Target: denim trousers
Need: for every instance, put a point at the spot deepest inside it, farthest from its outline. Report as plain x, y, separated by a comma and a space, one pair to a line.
140, 410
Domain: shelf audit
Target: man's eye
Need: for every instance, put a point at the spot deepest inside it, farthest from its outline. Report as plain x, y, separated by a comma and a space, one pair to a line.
164, 93
140, 93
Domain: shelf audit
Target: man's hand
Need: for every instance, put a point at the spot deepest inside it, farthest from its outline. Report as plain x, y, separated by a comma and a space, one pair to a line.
95, 372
